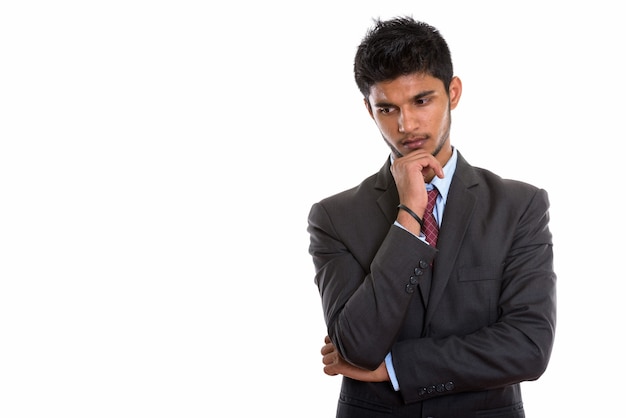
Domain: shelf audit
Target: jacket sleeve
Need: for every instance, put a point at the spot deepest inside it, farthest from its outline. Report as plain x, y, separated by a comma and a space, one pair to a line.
512, 345
364, 305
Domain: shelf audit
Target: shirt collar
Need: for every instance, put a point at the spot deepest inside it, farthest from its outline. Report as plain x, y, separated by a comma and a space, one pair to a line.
443, 185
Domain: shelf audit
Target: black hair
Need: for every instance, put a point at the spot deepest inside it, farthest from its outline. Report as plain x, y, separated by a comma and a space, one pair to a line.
401, 46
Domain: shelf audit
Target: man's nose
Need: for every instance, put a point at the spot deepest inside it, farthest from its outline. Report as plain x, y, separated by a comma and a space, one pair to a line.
408, 121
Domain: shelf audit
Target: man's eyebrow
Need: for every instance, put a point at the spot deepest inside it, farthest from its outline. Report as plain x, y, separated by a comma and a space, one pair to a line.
418, 96
423, 94
384, 104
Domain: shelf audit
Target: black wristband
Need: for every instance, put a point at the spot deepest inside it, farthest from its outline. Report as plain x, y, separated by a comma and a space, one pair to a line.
413, 214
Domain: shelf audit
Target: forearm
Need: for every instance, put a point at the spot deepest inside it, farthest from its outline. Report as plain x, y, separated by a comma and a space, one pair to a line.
489, 358
365, 310
514, 347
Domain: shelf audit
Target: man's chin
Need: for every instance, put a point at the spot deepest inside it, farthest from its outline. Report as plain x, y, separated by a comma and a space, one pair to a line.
396, 153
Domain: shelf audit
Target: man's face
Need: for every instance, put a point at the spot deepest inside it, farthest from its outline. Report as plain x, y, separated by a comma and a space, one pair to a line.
413, 112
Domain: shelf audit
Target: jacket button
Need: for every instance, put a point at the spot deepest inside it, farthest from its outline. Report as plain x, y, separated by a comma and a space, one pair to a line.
413, 280
409, 288
418, 272
424, 264
449, 386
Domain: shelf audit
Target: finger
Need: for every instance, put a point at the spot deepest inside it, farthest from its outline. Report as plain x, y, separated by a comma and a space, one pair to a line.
329, 371
328, 348
429, 161
430, 171
420, 161
327, 339
329, 359
438, 171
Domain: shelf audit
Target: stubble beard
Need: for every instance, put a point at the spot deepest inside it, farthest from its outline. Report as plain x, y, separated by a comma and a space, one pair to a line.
445, 136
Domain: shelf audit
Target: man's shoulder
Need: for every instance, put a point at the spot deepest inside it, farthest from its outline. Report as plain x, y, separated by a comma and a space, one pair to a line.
361, 191
496, 181
472, 175
508, 192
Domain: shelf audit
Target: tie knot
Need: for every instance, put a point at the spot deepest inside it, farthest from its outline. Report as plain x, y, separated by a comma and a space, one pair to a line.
432, 199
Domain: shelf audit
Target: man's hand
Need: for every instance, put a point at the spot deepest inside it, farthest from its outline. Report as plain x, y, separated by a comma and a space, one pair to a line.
411, 173
334, 364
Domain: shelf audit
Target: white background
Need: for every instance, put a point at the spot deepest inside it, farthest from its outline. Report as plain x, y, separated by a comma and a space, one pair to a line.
158, 160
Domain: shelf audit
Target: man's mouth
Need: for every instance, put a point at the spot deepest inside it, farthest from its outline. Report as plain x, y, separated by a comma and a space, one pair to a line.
414, 143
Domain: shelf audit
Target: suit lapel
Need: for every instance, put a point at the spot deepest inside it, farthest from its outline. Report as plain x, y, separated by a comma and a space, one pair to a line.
389, 199
458, 212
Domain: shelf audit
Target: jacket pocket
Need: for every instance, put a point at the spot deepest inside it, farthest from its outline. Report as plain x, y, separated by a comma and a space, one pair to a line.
478, 293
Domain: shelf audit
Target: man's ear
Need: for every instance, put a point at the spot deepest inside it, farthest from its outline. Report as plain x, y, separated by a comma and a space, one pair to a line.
454, 92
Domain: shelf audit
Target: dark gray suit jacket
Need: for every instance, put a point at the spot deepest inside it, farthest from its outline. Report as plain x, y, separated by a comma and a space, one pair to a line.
463, 332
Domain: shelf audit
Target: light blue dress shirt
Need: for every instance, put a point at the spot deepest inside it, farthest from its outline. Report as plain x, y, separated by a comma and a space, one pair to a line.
443, 185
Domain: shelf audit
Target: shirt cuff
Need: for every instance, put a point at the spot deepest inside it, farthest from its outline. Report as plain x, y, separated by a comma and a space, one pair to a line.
391, 372
421, 235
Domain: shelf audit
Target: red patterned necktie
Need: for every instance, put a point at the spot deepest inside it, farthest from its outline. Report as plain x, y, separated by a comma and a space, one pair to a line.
431, 229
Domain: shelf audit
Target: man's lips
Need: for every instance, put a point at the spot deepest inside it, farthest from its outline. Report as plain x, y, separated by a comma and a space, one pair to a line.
414, 143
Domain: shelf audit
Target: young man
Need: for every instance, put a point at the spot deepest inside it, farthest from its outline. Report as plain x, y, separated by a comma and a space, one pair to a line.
423, 325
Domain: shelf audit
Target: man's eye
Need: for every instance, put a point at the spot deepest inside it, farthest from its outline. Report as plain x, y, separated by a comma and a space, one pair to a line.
384, 110
421, 101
